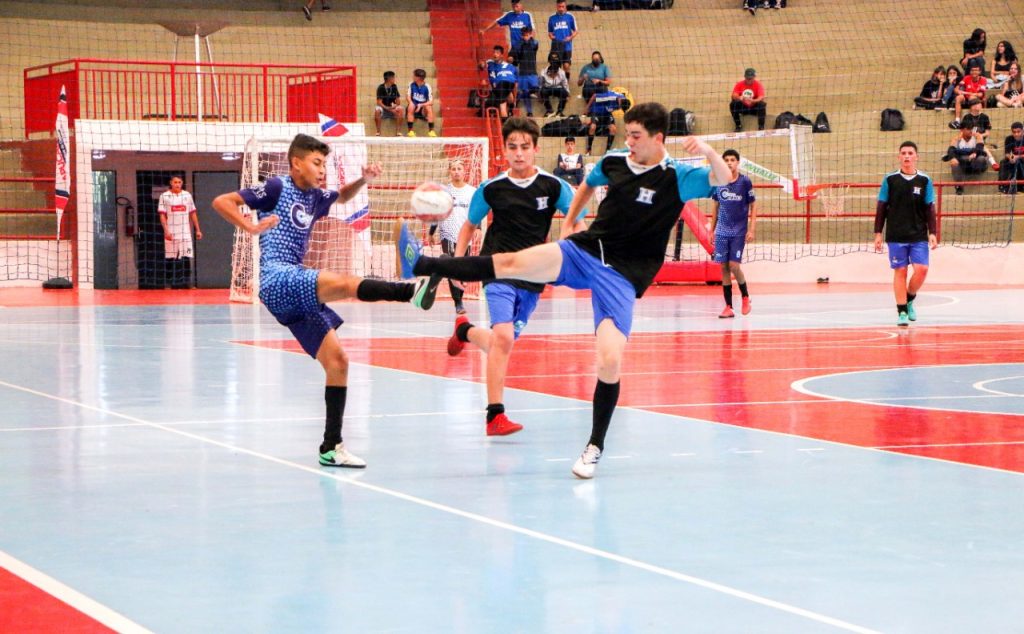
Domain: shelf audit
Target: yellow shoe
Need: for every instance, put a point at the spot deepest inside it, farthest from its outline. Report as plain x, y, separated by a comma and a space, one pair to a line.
411, 134
431, 133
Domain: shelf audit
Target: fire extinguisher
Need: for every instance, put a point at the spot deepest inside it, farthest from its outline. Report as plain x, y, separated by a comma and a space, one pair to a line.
129, 216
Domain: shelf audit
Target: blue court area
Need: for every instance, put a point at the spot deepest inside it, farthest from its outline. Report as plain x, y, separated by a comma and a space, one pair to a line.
157, 466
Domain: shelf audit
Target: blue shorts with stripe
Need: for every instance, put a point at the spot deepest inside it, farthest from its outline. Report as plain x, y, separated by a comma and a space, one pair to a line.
611, 294
289, 293
508, 304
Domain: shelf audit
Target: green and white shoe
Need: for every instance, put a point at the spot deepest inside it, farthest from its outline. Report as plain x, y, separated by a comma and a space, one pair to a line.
911, 313
426, 291
903, 320
340, 457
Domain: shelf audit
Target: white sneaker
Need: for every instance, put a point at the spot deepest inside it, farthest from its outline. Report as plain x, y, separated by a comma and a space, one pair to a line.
586, 464
340, 457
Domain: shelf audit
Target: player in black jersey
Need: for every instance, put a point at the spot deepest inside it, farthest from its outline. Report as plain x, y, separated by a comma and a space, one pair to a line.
616, 258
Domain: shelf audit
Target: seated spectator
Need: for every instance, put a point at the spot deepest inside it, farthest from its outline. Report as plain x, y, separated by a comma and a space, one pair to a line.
974, 51
504, 79
1012, 95
931, 93
971, 87
421, 102
593, 75
967, 155
977, 121
1001, 61
553, 83
562, 31
600, 108
748, 97
751, 6
570, 163
389, 103
525, 59
953, 78
1011, 168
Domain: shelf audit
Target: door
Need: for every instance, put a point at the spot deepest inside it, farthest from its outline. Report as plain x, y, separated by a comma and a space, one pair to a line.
213, 252
149, 239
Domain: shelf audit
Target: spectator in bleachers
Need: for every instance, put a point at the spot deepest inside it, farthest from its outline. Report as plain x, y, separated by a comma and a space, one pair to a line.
594, 75
307, 8
600, 108
570, 163
389, 102
554, 83
748, 97
967, 155
970, 87
977, 121
953, 77
931, 93
515, 20
421, 102
1004, 56
974, 51
751, 6
504, 79
525, 56
562, 31
1011, 168
1012, 95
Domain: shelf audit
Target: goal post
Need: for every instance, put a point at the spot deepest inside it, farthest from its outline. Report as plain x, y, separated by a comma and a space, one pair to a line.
356, 237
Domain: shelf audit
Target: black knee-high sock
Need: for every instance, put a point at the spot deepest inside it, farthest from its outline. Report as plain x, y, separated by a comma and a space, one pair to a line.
606, 396
590, 143
334, 396
611, 139
472, 268
727, 291
378, 291
743, 290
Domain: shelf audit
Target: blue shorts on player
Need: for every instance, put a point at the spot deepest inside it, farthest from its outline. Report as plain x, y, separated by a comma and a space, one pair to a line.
902, 254
528, 84
611, 294
289, 293
510, 304
729, 249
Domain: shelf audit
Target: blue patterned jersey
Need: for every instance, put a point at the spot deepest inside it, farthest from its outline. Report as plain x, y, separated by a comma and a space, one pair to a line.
296, 209
734, 202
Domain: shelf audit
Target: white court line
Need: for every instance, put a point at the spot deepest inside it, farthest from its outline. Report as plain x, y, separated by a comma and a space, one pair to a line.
444, 508
980, 385
72, 597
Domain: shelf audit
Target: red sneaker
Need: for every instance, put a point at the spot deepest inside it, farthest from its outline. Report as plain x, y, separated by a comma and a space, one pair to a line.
727, 313
746, 305
455, 345
502, 426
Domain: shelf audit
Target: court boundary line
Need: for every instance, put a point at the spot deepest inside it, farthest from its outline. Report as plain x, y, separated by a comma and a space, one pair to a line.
444, 508
66, 594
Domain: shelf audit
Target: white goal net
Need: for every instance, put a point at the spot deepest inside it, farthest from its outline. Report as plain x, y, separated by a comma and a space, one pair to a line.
356, 237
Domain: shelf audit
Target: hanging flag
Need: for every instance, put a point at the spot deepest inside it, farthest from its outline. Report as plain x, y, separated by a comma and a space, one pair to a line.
62, 177
360, 220
330, 127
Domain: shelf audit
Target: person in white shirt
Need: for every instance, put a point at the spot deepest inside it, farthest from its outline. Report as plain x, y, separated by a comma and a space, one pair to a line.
462, 193
177, 217
570, 163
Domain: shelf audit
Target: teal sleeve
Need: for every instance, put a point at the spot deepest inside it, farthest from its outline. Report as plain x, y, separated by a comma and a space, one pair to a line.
596, 177
883, 193
478, 207
929, 192
694, 182
564, 197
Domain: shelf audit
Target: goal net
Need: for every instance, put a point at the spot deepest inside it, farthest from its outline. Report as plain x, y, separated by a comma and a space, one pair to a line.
356, 237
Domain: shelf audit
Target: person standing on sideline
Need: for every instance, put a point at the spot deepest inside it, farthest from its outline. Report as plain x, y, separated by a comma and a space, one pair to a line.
562, 31
461, 193
733, 214
516, 20
616, 258
287, 208
906, 209
178, 217
307, 9
522, 201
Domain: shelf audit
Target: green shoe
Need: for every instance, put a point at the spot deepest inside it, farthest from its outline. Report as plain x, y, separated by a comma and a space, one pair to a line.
340, 457
911, 313
426, 291
904, 319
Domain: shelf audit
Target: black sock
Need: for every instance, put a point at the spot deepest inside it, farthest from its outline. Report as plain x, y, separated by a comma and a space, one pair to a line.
606, 396
743, 290
727, 291
462, 332
911, 297
334, 396
901, 308
590, 144
493, 409
378, 291
472, 268
430, 125
611, 140
407, 123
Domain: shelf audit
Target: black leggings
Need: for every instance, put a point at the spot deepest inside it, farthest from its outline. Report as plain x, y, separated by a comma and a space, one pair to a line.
448, 248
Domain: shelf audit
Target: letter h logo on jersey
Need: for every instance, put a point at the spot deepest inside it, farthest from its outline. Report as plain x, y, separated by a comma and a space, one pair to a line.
542, 203
645, 196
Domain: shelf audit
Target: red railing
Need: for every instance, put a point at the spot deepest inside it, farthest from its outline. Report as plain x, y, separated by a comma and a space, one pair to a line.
174, 91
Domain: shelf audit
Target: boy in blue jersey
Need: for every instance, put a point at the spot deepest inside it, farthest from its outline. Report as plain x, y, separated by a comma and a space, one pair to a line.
906, 209
733, 214
516, 20
616, 258
523, 201
421, 103
562, 31
287, 208
600, 107
503, 77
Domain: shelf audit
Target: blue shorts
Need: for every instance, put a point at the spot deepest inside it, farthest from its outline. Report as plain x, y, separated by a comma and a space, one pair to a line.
510, 304
611, 295
528, 83
289, 293
902, 254
729, 249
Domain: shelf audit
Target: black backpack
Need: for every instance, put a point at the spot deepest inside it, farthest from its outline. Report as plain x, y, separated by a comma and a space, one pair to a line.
569, 126
802, 120
892, 120
681, 122
821, 123
784, 120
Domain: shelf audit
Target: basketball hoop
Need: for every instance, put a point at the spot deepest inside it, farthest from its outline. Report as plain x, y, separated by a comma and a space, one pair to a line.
833, 200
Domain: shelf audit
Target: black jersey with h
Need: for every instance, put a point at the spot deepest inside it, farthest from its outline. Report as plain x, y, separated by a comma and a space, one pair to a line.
522, 212
639, 212
908, 211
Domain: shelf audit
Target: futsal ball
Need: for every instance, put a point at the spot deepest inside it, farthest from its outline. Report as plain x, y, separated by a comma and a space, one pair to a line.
431, 203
